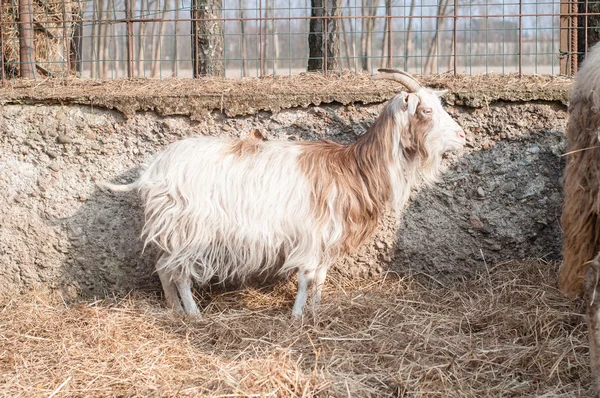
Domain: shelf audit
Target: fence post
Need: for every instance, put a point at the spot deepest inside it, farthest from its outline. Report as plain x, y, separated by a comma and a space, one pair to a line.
26, 48
388, 7
520, 38
568, 37
128, 15
454, 37
2, 42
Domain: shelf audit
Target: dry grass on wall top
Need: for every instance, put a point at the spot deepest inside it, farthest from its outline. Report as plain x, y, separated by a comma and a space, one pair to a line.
247, 96
49, 34
506, 333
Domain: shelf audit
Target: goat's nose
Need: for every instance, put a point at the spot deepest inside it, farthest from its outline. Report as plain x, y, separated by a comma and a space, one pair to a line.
461, 133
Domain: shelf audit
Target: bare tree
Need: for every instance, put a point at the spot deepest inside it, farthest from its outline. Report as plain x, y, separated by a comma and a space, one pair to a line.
318, 32
431, 63
275, 42
386, 43
207, 38
243, 39
26, 47
267, 26
158, 39
347, 39
106, 40
369, 9
409, 32
175, 40
141, 40
364, 48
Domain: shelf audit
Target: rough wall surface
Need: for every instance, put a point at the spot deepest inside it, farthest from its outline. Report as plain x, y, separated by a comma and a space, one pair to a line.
499, 199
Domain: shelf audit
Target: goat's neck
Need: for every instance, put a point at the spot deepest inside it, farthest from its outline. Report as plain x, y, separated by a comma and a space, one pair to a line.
380, 157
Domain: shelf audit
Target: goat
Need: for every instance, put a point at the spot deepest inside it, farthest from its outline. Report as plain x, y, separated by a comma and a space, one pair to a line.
580, 271
225, 209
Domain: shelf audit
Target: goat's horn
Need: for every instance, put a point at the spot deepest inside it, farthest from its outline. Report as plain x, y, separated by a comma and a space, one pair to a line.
406, 79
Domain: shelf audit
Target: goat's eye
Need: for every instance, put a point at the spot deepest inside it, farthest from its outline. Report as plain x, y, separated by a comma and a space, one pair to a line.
427, 111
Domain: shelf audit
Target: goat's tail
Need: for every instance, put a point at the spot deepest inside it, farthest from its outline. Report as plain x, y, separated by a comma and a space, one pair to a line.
119, 188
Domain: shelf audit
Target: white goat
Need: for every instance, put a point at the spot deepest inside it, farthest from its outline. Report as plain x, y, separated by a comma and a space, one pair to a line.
228, 208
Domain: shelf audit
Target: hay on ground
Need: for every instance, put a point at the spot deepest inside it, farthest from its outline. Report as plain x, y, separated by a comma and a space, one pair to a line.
506, 333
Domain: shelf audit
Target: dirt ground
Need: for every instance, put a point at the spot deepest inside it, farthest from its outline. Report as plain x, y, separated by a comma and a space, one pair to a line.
507, 332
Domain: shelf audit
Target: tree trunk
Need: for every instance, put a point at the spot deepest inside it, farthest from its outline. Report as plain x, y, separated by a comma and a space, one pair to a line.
243, 40
141, 41
106, 43
431, 62
346, 41
364, 48
174, 67
316, 36
157, 46
266, 36
275, 43
100, 41
26, 47
94, 40
207, 38
370, 28
408, 47
75, 52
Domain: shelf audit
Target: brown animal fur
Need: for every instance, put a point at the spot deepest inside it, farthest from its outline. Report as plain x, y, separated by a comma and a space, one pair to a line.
581, 209
244, 147
359, 174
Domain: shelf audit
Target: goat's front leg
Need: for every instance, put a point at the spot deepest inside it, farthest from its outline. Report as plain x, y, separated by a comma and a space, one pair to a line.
305, 280
592, 303
184, 286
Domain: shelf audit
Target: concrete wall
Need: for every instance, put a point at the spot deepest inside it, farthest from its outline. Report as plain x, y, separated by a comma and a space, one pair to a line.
499, 199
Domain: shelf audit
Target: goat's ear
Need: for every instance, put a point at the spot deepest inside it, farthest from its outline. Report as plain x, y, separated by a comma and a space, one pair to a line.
413, 102
440, 93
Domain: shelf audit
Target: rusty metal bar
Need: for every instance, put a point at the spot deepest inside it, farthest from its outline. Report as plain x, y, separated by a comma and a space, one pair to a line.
326, 37
260, 39
130, 49
564, 38
454, 37
195, 38
137, 20
574, 38
520, 38
65, 38
2, 43
585, 31
390, 30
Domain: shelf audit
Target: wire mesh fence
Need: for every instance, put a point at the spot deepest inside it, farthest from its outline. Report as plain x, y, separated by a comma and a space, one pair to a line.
190, 38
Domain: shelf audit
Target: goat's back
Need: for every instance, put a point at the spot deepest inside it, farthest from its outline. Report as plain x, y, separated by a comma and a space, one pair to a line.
228, 208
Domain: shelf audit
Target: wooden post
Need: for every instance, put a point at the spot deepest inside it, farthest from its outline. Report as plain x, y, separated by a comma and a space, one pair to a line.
26, 48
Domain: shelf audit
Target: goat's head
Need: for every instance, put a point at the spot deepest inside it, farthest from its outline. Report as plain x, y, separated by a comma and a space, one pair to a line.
431, 129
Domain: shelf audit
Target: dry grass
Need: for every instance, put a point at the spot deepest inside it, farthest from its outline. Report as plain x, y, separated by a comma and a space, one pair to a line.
507, 333
48, 36
345, 82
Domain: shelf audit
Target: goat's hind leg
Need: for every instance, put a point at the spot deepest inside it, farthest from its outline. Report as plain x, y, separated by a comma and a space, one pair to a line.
319, 281
168, 285
305, 280
592, 303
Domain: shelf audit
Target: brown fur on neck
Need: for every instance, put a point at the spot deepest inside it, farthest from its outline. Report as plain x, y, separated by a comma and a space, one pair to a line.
358, 175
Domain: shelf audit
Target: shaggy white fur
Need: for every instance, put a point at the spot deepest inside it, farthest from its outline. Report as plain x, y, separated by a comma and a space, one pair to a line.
226, 209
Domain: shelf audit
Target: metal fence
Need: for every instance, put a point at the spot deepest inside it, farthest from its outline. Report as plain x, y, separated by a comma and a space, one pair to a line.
233, 38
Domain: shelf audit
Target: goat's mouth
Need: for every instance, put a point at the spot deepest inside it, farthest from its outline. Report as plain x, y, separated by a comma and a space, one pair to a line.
456, 145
